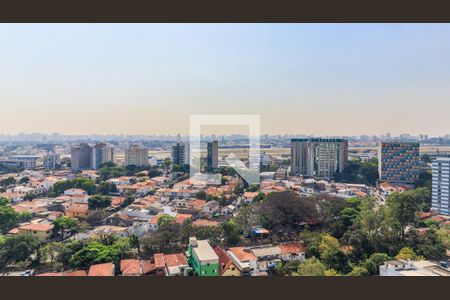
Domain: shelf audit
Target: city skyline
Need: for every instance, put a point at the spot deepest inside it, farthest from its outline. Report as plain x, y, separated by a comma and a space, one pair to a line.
320, 79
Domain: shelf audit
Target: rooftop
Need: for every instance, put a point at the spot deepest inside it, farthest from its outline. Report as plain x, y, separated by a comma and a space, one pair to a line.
204, 251
106, 269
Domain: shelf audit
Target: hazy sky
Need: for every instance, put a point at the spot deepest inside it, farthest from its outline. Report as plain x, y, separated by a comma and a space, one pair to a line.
321, 79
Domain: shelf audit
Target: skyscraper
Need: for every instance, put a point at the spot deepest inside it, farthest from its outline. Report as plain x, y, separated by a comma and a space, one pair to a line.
398, 162
318, 157
101, 153
136, 155
180, 154
212, 159
440, 199
81, 157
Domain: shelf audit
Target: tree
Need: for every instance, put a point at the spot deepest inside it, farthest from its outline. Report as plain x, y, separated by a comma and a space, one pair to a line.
373, 263
252, 188
17, 248
7, 181
105, 188
311, 267
424, 180
287, 268
24, 179
426, 158
331, 254
8, 218
357, 171
49, 255
232, 233
165, 219
81, 183
3, 201
96, 217
401, 211
63, 223
201, 195
406, 253
358, 271
29, 197
167, 239
98, 201
260, 197
106, 249
430, 245
285, 210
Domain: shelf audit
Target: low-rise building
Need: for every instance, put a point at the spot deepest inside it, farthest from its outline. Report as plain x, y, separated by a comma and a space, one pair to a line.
79, 211
412, 268
43, 232
226, 265
106, 269
202, 258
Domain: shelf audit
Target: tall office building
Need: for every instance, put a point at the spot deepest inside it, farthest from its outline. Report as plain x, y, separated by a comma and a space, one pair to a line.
318, 157
440, 199
180, 154
212, 158
51, 161
101, 153
81, 157
136, 155
398, 162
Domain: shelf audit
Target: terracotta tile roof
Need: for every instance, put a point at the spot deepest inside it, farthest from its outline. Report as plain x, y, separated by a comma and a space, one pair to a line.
426, 215
78, 208
76, 273
438, 219
117, 201
197, 204
347, 248
224, 260
180, 218
130, 267
159, 260
204, 222
37, 227
154, 219
14, 231
291, 248
241, 254
174, 260
147, 266
250, 194
106, 269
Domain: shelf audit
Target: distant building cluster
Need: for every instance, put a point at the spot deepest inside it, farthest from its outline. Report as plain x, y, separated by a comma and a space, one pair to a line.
84, 156
318, 157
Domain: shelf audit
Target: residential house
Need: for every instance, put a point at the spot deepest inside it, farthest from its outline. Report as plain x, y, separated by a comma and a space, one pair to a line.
74, 191
243, 259
226, 265
136, 267
176, 264
210, 208
106, 269
43, 232
79, 211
